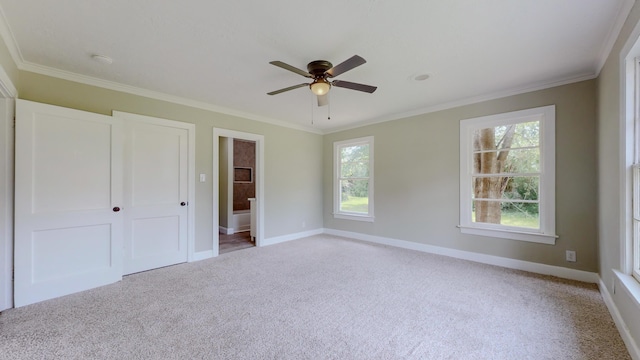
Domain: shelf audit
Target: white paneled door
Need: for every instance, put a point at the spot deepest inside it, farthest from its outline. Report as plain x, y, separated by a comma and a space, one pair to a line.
156, 192
68, 195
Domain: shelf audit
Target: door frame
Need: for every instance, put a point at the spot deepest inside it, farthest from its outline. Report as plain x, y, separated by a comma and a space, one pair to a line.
191, 176
8, 94
259, 179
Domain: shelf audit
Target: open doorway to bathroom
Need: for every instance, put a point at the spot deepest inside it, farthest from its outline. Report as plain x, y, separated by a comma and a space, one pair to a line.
238, 190
237, 193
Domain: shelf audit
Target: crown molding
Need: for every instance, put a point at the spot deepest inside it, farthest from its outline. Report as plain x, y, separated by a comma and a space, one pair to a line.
14, 51
70, 76
614, 32
111, 85
7, 89
469, 101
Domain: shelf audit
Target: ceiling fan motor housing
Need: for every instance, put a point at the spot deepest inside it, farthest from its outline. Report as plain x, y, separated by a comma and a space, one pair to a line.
318, 68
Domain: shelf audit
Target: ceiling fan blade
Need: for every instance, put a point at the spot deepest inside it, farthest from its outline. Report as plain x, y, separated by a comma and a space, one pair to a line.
291, 68
287, 89
354, 86
323, 100
345, 66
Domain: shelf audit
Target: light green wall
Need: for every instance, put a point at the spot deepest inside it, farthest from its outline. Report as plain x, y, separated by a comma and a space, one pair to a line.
293, 159
609, 119
417, 178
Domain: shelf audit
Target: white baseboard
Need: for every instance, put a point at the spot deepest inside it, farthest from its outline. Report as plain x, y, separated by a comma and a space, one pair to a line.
226, 231
290, 237
202, 255
471, 256
632, 346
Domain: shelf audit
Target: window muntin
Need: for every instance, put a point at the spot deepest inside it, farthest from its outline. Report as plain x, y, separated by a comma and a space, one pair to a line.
353, 183
507, 170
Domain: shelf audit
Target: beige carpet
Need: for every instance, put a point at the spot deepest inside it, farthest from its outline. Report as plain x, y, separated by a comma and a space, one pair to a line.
320, 298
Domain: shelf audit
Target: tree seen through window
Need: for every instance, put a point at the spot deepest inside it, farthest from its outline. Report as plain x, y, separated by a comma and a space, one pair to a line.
506, 175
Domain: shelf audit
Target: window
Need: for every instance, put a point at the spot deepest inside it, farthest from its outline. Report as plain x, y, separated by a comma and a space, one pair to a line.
635, 178
507, 175
353, 179
636, 222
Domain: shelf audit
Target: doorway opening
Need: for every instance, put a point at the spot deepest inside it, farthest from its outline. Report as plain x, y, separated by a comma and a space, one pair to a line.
238, 190
237, 198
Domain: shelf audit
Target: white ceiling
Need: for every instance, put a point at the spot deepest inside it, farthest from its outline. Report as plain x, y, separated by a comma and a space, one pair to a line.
215, 54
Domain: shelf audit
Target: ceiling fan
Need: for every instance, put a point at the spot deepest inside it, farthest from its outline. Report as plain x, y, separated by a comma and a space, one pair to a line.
320, 71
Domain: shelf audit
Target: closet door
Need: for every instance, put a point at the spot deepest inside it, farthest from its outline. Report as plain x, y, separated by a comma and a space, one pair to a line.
156, 185
68, 194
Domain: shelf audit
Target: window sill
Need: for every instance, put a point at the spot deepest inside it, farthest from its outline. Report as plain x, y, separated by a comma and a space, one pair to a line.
630, 285
510, 234
344, 216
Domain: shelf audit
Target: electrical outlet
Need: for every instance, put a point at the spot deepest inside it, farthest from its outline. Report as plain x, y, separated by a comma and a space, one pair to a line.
304, 224
571, 256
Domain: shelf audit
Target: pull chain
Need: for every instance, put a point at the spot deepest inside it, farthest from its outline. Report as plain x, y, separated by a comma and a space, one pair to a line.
329, 107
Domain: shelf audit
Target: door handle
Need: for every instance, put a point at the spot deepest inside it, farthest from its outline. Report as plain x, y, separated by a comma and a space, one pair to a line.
183, 203
116, 209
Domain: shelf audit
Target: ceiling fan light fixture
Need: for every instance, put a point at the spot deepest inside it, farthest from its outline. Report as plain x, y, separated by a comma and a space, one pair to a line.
320, 86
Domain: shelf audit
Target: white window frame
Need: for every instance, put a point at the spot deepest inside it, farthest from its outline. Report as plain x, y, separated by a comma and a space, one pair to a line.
635, 178
337, 213
546, 194
635, 268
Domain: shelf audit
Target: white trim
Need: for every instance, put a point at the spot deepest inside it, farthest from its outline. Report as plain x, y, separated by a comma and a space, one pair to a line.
347, 216
226, 231
202, 255
7, 137
635, 220
511, 235
546, 117
229, 194
191, 172
537, 268
621, 325
631, 286
7, 89
269, 241
626, 149
614, 31
259, 179
291, 237
337, 213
